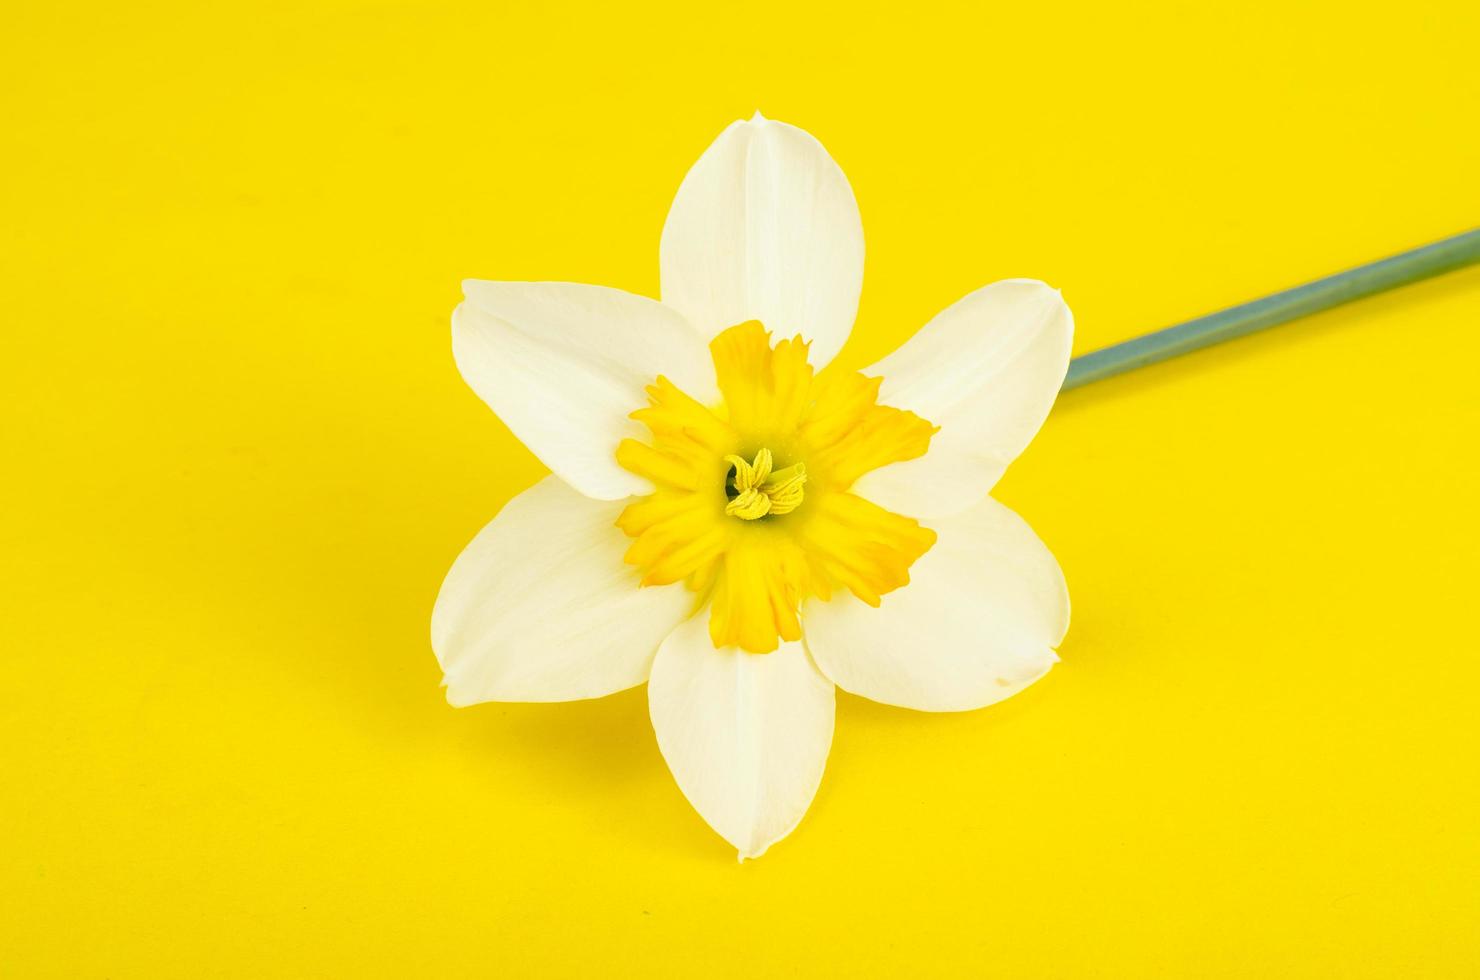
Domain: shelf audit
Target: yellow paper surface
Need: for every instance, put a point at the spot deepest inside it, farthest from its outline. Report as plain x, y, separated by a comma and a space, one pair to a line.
238, 459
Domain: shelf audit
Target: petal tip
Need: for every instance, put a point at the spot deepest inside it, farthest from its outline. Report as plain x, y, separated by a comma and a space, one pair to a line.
753, 851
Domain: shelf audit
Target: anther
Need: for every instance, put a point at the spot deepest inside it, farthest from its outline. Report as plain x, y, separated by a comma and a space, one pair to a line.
759, 491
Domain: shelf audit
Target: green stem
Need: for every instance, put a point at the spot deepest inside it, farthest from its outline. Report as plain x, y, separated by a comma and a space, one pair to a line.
1313, 297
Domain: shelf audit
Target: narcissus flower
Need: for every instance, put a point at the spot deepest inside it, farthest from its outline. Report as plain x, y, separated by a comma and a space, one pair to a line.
736, 523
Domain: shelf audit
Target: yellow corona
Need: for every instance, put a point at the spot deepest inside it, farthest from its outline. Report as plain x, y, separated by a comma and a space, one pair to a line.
753, 508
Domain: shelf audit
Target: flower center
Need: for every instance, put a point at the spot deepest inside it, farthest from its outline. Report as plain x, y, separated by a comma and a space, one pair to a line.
718, 527
755, 490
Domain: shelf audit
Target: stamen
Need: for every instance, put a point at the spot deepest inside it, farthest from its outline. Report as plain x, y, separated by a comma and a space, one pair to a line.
759, 492
785, 488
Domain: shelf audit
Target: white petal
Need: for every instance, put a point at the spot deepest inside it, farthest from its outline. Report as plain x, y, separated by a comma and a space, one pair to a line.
978, 622
745, 734
765, 227
986, 370
563, 365
540, 606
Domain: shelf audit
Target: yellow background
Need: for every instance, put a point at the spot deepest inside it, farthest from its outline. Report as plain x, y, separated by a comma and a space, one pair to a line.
238, 460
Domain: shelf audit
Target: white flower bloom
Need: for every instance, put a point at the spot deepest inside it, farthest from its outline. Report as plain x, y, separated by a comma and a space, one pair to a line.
731, 526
